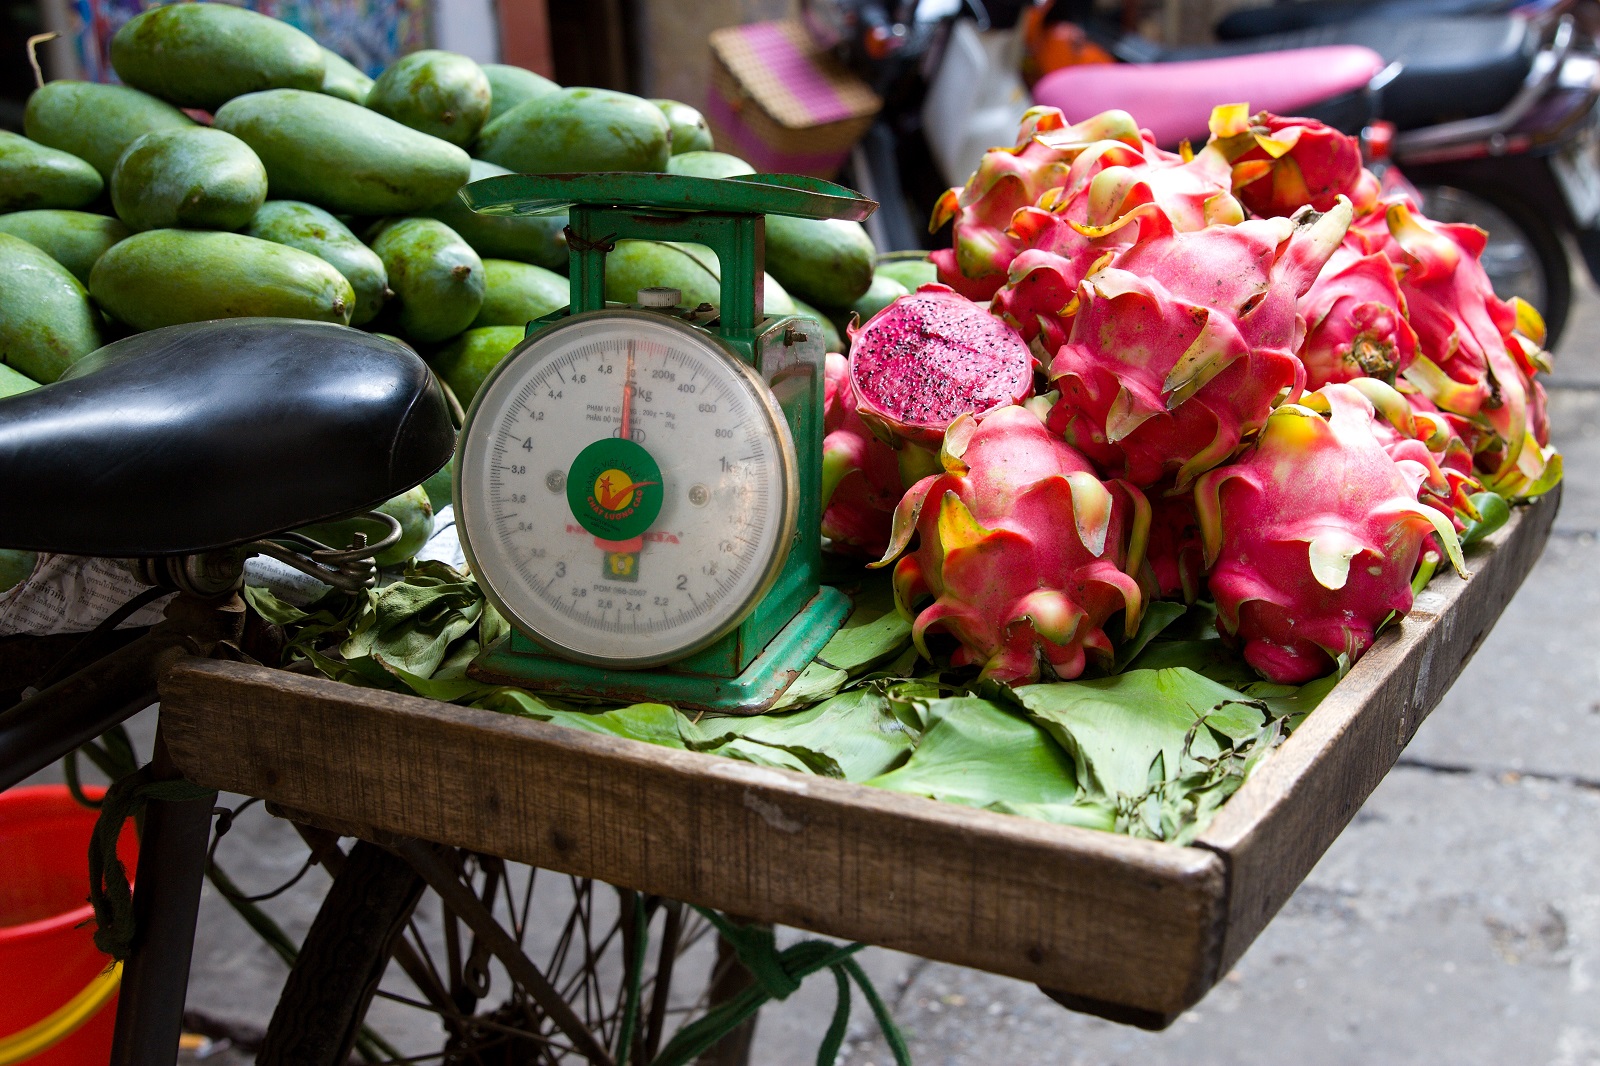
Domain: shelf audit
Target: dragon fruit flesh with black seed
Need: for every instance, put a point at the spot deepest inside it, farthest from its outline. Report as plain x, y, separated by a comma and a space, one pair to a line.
1025, 553
930, 356
1312, 536
1184, 343
860, 474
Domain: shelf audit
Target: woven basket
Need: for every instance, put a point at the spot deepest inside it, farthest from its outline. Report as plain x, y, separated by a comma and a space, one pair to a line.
782, 105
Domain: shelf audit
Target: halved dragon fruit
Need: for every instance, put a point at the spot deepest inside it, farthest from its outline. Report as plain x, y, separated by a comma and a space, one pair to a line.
930, 356
1024, 551
1313, 536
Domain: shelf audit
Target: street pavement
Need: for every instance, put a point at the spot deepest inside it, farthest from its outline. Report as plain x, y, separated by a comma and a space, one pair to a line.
1456, 920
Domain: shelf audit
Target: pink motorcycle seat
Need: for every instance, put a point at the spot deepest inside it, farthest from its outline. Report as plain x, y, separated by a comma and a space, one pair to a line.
1174, 100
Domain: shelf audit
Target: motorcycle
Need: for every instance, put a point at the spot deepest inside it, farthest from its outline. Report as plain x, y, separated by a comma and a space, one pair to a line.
1492, 118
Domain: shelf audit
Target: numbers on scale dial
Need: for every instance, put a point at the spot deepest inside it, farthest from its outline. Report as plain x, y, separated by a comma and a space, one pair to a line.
721, 474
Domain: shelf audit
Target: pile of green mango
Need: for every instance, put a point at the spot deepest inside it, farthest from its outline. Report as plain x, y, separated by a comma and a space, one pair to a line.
241, 169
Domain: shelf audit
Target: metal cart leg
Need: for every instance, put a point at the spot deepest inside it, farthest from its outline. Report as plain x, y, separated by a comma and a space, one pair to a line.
166, 903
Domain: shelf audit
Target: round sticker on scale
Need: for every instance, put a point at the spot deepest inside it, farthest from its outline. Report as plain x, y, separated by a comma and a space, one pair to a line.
614, 489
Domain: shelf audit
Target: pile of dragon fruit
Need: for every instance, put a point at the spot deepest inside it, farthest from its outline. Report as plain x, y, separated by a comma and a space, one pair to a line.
1251, 373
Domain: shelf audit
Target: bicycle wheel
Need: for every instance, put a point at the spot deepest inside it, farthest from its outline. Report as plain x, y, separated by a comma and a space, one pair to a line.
1524, 256
377, 919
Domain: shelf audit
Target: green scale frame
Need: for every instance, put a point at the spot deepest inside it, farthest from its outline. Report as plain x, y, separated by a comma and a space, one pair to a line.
747, 670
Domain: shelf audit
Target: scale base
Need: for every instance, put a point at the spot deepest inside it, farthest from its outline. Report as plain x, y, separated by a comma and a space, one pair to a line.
755, 689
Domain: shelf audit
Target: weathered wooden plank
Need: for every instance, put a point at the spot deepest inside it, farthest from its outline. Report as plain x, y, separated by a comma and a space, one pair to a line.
1273, 830
1091, 914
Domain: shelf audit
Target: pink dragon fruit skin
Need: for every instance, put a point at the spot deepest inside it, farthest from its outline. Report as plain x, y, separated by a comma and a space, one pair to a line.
1025, 552
1007, 180
1072, 227
1313, 535
1282, 164
860, 474
1477, 354
1355, 320
932, 355
1408, 429
1184, 344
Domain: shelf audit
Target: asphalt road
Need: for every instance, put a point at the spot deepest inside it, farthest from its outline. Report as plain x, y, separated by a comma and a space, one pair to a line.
1457, 920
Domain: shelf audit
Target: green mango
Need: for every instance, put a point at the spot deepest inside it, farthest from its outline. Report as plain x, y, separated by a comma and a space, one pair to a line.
692, 269
311, 229
16, 566
441, 487
708, 165
827, 261
203, 55
510, 86
412, 509
344, 79
33, 175
401, 341
831, 340
162, 277
537, 239
689, 131
441, 93
518, 293
195, 178
437, 278
883, 291
341, 156
48, 323
911, 269
75, 239
574, 130
94, 122
13, 382
465, 362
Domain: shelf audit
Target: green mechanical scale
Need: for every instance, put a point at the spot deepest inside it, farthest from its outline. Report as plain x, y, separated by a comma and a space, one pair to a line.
637, 487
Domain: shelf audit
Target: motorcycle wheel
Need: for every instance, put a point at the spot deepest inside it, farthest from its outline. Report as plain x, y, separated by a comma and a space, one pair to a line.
1524, 257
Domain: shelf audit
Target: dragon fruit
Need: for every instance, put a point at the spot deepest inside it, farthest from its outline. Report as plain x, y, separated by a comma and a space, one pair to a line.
932, 355
1010, 179
1185, 342
1025, 552
1408, 429
1074, 226
1313, 536
860, 474
1355, 320
1281, 164
1477, 354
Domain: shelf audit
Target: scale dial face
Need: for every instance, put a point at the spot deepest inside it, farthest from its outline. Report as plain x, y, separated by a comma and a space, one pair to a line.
626, 488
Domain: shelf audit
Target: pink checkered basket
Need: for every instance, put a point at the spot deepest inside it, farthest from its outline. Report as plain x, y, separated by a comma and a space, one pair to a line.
782, 105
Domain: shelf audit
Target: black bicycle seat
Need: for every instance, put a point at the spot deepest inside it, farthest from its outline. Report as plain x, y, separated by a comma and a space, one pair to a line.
1451, 68
212, 434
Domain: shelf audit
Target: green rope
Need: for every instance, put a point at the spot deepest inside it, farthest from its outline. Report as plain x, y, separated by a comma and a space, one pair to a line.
778, 974
109, 891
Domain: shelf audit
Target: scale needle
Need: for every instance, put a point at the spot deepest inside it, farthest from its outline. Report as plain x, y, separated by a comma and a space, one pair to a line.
627, 397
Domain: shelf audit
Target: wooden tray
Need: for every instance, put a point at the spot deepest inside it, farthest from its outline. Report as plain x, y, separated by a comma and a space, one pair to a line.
1130, 929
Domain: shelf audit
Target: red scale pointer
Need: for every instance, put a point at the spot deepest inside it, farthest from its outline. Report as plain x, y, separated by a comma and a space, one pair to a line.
610, 501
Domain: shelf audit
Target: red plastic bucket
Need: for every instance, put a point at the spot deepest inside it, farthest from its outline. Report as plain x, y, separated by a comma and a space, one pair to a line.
53, 980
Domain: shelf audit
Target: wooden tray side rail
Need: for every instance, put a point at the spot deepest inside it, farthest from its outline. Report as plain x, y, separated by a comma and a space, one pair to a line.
1066, 907
1128, 928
